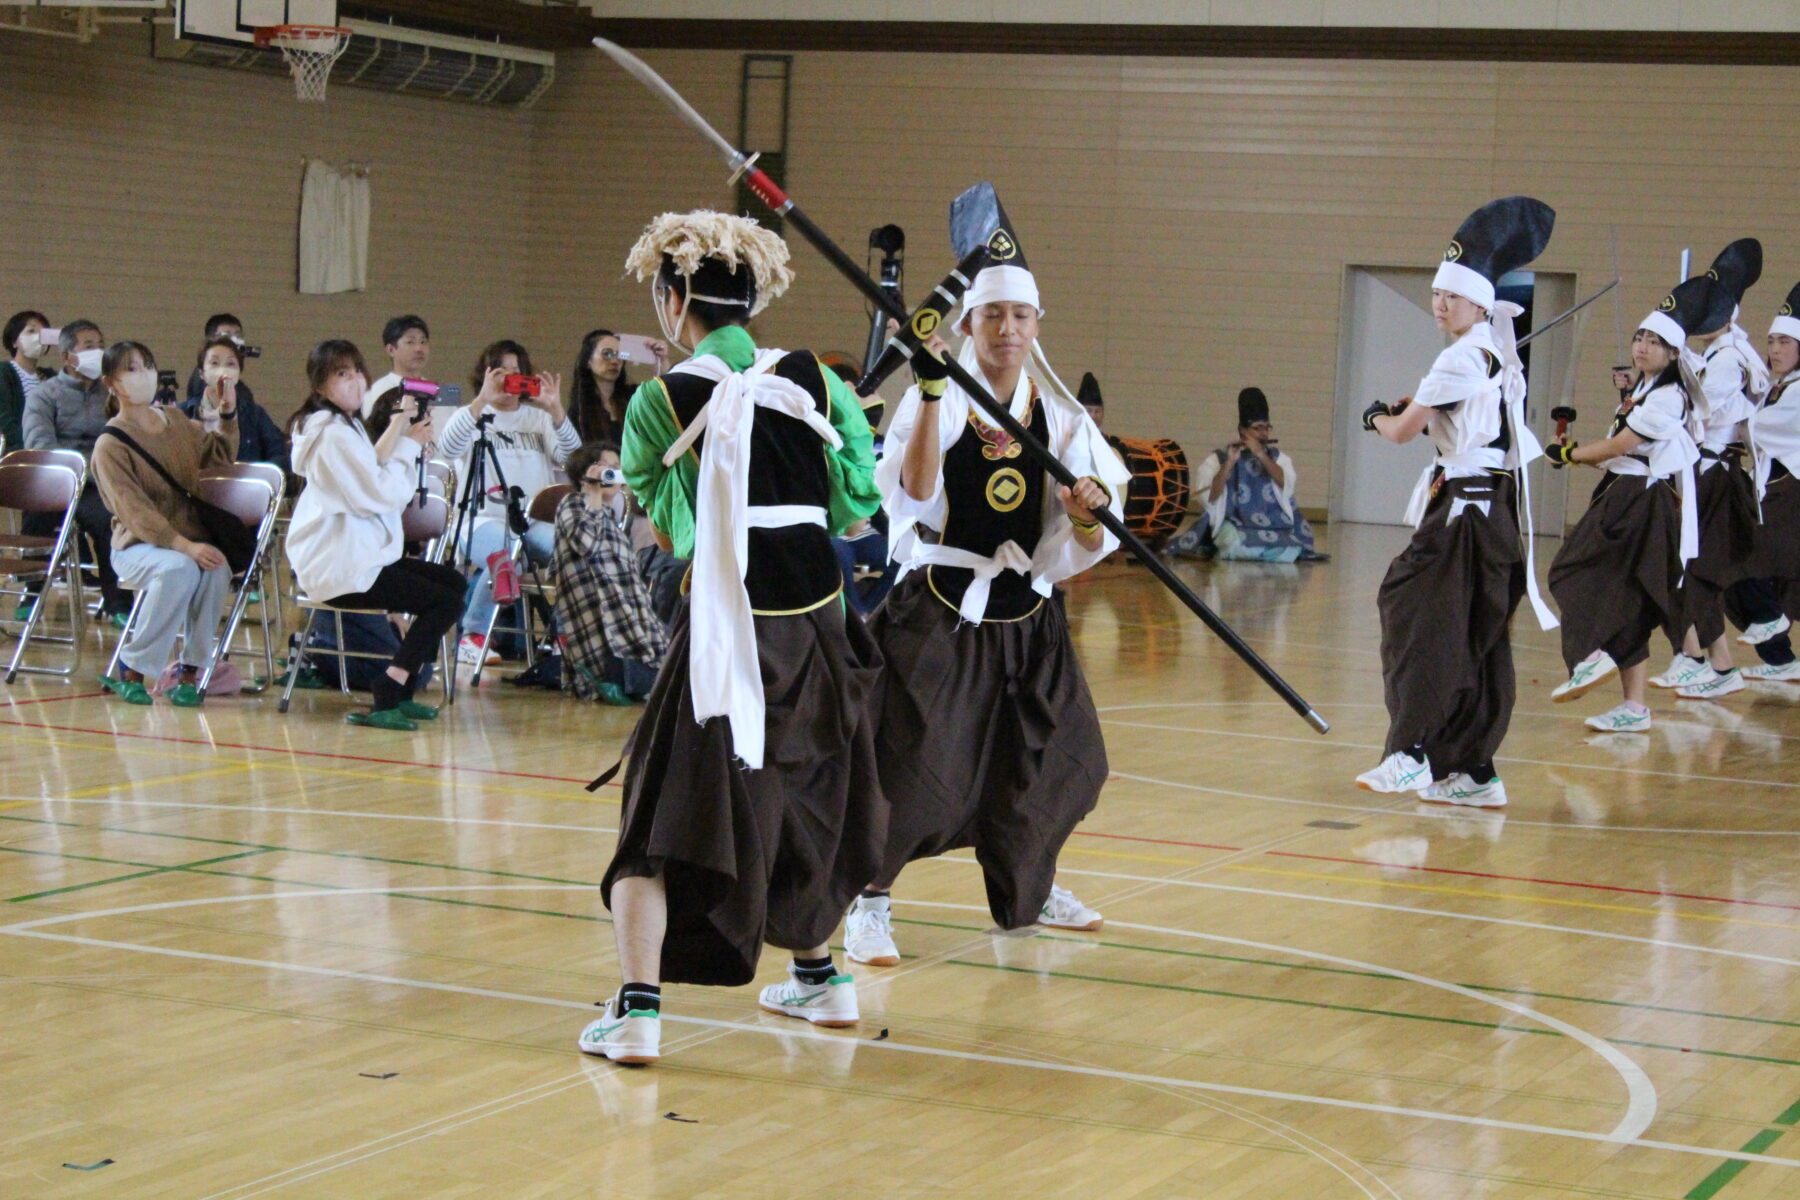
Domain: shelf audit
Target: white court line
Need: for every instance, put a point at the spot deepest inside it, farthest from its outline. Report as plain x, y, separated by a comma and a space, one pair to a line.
34, 929
311, 812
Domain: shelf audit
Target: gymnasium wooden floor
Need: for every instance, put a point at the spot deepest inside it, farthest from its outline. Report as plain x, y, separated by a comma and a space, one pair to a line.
248, 955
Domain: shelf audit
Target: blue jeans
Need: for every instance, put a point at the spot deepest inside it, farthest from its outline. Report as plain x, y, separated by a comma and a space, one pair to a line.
489, 536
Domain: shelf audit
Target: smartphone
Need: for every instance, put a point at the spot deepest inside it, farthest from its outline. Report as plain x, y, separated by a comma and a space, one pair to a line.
636, 349
48, 339
522, 385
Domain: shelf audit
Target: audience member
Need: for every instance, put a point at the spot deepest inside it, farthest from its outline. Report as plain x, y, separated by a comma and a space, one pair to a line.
159, 545
1247, 489
68, 412
408, 345
260, 439
345, 540
601, 389
613, 642
531, 437
18, 382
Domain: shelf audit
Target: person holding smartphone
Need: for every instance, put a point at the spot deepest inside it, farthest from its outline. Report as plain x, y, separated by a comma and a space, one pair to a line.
532, 436
601, 387
1247, 488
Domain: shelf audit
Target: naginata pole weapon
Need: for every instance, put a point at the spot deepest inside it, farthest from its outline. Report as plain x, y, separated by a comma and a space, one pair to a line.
744, 165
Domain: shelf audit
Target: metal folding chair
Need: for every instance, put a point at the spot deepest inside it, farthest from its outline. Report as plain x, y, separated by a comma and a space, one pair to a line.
428, 524
47, 482
543, 508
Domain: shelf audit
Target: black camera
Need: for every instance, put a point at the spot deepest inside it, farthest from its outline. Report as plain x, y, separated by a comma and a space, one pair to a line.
166, 379
245, 350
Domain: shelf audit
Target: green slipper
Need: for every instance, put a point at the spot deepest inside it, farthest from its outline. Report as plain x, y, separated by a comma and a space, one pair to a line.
610, 693
418, 712
185, 695
386, 718
117, 620
23, 612
309, 681
129, 690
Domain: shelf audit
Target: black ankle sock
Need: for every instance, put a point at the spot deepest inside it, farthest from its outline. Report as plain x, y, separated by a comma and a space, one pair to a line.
1483, 773
814, 970
874, 893
639, 997
388, 693
1698, 660
1418, 752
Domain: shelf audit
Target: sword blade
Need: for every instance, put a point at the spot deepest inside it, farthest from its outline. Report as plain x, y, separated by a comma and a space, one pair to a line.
645, 74
1566, 314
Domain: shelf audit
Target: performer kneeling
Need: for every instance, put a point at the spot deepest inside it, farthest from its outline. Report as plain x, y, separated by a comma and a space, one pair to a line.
1616, 576
1764, 601
752, 810
1448, 599
988, 737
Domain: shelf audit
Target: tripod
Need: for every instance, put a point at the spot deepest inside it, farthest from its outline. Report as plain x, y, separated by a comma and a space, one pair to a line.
483, 457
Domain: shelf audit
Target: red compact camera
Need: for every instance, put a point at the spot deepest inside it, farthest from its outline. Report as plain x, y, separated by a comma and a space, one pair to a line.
523, 385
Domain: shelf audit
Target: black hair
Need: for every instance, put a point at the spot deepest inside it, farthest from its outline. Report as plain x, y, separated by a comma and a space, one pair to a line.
492, 356
323, 361
15, 328
217, 319
381, 412
587, 455
114, 360
595, 419
399, 327
71, 333
220, 343
714, 278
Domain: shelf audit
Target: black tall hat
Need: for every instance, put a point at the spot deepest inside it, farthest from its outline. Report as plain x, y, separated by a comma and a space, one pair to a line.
1787, 321
1738, 267
1500, 236
976, 217
1700, 305
1253, 406
1088, 394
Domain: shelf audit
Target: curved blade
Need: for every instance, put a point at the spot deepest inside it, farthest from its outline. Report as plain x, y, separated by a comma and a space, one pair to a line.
646, 75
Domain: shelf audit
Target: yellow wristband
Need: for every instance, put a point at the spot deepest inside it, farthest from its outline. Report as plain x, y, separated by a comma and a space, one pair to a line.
933, 388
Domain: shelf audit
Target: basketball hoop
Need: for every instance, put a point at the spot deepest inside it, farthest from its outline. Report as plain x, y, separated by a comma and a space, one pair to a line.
309, 51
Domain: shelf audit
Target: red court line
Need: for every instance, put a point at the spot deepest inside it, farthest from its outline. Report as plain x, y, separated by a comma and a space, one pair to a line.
393, 762
54, 699
1120, 837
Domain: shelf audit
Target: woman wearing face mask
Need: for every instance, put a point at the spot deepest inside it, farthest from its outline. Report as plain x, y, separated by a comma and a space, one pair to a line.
1616, 576
345, 542
159, 546
221, 365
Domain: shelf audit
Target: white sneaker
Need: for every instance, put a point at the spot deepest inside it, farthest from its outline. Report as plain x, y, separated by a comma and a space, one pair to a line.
1588, 672
1685, 672
1398, 772
637, 1038
1787, 671
1460, 788
831, 1004
869, 932
1622, 719
472, 651
1063, 911
1762, 631
1723, 683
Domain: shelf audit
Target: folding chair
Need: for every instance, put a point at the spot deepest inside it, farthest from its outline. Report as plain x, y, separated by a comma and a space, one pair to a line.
429, 524
47, 482
543, 508
252, 493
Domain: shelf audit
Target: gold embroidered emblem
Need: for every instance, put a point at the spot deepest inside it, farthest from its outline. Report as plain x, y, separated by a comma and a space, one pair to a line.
1787, 310
1002, 246
1005, 489
1454, 253
1668, 304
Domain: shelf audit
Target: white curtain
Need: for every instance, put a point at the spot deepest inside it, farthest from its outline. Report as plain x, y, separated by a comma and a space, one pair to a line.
334, 228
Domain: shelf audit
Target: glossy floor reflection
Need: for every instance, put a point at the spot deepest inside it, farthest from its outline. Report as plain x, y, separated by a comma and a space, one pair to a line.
254, 955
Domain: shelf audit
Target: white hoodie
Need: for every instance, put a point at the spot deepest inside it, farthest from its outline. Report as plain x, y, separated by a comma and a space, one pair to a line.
346, 524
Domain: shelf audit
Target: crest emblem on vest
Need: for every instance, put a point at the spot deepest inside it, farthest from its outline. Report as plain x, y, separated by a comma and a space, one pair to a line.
925, 322
1005, 489
1668, 304
1002, 246
1454, 253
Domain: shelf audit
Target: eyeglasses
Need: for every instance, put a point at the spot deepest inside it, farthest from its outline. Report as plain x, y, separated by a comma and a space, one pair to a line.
610, 355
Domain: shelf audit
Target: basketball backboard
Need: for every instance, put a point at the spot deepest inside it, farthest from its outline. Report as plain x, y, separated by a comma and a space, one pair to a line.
238, 20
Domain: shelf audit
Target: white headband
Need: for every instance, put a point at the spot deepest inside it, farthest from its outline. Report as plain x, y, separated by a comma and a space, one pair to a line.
1004, 285
1786, 327
1664, 327
1470, 285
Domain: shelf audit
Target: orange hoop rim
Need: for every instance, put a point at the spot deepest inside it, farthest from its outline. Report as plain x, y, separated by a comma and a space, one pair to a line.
267, 35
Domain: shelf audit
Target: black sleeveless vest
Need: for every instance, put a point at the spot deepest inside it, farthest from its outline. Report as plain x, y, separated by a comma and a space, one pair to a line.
794, 568
993, 494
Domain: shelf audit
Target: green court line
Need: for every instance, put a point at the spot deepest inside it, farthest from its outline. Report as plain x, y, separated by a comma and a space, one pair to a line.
1730, 1169
153, 870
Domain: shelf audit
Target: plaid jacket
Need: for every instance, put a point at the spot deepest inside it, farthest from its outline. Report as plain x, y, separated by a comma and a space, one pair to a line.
602, 602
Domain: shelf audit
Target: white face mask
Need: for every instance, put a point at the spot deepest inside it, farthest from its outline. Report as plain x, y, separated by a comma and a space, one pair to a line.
215, 372
87, 363
31, 343
139, 386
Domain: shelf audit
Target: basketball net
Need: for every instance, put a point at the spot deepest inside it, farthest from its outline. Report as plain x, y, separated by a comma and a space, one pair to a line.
309, 51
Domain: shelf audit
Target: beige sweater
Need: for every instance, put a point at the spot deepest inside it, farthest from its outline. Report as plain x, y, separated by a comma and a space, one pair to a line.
143, 506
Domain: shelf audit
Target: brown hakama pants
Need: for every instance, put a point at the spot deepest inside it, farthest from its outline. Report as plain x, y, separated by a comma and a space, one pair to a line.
1726, 499
1614, 578
1446, 607
773, 855
988, 740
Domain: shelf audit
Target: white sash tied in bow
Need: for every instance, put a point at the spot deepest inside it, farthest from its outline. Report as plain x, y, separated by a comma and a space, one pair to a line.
724, 673
1525, 448
1009, 557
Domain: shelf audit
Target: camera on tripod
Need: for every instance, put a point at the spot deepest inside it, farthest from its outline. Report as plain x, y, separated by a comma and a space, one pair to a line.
523, 385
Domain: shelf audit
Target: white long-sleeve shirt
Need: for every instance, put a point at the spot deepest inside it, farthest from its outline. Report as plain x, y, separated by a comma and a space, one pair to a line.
346, 524
529, 446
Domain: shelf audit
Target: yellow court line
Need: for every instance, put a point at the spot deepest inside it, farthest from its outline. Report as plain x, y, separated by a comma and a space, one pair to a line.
1155, 858
19, 804
108, 789
1480, 894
